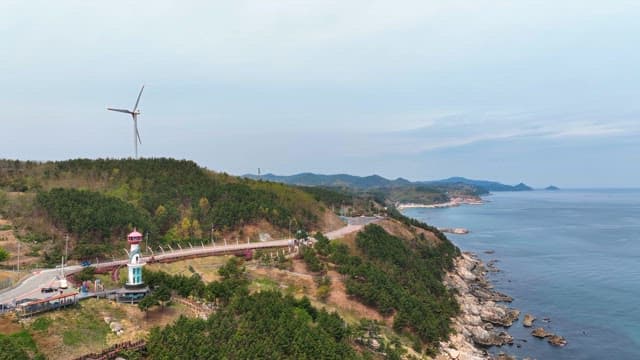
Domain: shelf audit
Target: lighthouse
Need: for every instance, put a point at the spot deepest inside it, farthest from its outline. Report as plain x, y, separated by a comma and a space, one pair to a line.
135, 263
134, 289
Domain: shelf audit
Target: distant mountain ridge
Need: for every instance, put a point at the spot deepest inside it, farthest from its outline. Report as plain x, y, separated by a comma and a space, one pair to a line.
337, 180
484, 184
376, 181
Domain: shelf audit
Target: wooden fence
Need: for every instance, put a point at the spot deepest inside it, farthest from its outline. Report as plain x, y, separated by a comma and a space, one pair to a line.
113, 351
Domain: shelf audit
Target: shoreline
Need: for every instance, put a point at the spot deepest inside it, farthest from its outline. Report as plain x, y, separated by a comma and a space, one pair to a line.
456, 201
484, 317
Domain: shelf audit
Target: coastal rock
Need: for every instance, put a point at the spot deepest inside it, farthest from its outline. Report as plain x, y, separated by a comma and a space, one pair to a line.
503, 356
499, 315
490, 338
557, 340
541, 333
453, 353
491, 266
457, 231
474, 327
472, 320
528, 320
483, 293
466, 275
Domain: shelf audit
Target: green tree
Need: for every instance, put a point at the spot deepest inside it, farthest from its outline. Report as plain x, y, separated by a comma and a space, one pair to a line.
4, 254
147, 302
163, 295
86, 274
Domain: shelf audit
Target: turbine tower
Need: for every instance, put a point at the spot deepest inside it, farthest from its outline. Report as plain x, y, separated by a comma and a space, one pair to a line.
134, 115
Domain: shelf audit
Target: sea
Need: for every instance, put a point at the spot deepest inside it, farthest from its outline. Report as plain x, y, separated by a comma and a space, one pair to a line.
572, 256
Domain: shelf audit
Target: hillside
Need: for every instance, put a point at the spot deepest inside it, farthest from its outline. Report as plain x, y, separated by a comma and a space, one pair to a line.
372, 295
482, 184
338, 180
98, 201
458, 185
378, 292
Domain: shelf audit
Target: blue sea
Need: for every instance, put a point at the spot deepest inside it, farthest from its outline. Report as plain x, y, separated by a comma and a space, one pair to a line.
570, 255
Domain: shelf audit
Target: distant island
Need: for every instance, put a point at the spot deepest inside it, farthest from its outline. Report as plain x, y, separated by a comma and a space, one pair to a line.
552, 188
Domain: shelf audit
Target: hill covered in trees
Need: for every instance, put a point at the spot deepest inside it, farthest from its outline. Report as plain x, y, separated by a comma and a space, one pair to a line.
378, 182
99, 201
390, 192
338, 180
481, 184
398, 276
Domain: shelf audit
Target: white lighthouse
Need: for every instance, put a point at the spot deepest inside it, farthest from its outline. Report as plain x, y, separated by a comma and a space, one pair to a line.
134, 289
135, 261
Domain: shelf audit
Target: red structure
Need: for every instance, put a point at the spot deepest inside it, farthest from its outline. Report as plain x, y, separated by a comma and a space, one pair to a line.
48, 304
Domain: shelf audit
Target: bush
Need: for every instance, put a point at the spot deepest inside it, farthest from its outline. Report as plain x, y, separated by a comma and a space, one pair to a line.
4, 254
310, 258
86, 274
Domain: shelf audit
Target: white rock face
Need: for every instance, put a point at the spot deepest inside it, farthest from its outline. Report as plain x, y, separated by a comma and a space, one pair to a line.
116, 327
474, 295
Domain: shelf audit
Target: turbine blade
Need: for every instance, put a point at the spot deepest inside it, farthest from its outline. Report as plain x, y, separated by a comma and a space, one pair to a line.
120, 110
135, 107
135, 125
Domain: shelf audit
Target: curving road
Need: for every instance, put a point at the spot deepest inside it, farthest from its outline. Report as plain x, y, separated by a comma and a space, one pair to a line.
30, 287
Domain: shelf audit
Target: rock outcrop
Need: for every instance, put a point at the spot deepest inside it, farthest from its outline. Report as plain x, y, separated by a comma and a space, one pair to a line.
541, 333
552, 338
528, 320
557, 340
498, 315
481, 318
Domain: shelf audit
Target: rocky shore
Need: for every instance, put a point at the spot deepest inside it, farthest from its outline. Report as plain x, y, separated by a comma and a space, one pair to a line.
482, 317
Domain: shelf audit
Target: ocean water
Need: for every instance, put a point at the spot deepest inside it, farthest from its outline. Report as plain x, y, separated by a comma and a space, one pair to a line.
571, 255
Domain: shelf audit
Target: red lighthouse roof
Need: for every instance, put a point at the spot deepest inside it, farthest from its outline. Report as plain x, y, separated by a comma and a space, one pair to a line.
134, 237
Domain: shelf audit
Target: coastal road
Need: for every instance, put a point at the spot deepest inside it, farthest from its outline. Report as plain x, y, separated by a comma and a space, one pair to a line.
30, 287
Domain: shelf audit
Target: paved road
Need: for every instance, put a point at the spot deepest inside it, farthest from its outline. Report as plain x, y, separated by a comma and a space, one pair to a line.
30, 287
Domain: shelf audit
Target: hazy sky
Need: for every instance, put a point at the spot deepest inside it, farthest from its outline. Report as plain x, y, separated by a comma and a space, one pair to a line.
535, 91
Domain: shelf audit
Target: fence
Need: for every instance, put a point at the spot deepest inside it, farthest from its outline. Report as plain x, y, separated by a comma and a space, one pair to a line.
113, 351
5, 283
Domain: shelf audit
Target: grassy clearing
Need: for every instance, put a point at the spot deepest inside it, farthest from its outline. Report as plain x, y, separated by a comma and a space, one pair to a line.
263, 284
70, 333
23, 339
206, 267
41, 324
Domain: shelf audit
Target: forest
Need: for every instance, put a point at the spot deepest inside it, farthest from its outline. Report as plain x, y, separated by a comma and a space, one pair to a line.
98, 201
266, 325
399, 277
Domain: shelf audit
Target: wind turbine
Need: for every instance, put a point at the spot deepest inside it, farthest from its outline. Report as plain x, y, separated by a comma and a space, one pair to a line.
134, 115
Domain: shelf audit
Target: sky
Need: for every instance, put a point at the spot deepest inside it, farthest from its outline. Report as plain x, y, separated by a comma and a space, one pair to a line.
544, 92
